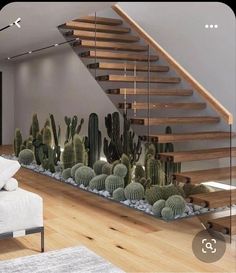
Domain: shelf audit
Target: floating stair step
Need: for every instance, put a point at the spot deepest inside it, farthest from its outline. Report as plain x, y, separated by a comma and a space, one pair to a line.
196, 177
161, 106
91, 35
100, 20
120, 78
174, 120
225, 225
111, 45
128, 67
215, 199
92, 27
152, 92
165, 138
195, 155
117, 56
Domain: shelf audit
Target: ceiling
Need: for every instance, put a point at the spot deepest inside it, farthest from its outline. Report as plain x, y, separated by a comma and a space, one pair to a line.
39, 21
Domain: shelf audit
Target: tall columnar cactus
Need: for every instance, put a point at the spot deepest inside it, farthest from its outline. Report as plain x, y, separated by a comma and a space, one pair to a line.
47, 157
47, 136
126, 161
68, 156
79, 149
34, 130
56, 137
17, 142
139, 172
119, 144
37, 143
72, 128
153, 170
93, 140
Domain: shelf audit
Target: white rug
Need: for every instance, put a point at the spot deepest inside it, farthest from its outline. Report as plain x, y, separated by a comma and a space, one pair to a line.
68, 260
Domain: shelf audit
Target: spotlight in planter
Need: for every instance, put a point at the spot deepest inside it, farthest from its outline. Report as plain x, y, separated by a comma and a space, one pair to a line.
103, 158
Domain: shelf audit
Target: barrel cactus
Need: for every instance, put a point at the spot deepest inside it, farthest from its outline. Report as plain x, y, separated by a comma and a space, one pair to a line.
153, 194
134, 191
98, 182
158, 207
26, 157
119, 194
169, 190
176, 203
68, 156
84, 175
107, 168
120, 170
74, 169
126, 161
98, 165
114, 182
66, 173
167, 213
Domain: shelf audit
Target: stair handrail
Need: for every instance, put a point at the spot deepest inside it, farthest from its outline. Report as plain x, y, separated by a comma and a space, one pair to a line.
202, 91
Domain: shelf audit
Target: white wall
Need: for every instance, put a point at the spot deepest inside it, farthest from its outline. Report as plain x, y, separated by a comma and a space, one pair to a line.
58, 83
8, 89
208, 54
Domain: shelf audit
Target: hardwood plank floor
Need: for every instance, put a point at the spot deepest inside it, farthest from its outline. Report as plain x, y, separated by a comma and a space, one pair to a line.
133, 241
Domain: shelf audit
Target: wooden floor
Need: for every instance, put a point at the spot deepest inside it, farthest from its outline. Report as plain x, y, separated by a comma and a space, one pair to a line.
131, 240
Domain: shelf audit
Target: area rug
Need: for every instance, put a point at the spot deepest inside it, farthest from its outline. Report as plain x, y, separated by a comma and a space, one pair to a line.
68, 260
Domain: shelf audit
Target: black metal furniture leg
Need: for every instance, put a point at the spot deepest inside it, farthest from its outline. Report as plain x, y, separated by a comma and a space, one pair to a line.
42, 240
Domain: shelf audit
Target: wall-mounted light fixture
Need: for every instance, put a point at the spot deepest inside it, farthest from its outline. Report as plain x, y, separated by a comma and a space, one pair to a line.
42, 48
16, 23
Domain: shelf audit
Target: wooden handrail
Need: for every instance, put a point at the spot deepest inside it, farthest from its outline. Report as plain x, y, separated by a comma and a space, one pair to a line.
215, 104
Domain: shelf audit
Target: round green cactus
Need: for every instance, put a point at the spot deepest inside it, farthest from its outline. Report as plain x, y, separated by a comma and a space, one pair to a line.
84, 175
134, 191
66, 173
26, 157
120, 170
98, 182
119, 194
68, 156
75, 168
176, 203
98, 165
158, 206
167, 213
107, 168
153, 194
169, 190
114, 182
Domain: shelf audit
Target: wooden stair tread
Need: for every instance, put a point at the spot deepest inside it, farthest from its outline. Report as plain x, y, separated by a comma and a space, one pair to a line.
111, 45
174, 120
128, 67
92, 27
215, 199
226, 225
152, 92
195, 155
90, 35
117, 56
182, 137
100, 20
196, 177
162, 106
121, 78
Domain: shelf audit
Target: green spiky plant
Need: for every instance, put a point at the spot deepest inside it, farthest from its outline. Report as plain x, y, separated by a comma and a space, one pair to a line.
68, 156
84, 175
79, 149
37, 143
134, 191
118, 143
34, 129
139, 172
26, 157
167, 213
47, 157
72, 127
66, 173
119, 194
47, 136
93, 140
17, 142
98, 182
158, 207
126, 161
176, 203
153, 194
114, 182
107, 168
98, 166
74, 169
56, 137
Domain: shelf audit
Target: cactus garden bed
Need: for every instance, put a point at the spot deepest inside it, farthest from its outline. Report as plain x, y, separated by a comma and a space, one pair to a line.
139, 203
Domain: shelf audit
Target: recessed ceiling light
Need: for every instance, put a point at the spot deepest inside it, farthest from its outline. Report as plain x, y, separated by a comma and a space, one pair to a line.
8, 58
30, 52
56, 45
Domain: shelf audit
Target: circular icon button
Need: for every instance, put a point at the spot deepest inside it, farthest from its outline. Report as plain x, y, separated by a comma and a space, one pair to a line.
208, 246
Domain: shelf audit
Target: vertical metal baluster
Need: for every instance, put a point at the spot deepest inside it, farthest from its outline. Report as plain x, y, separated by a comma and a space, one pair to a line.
230, 178
95, 44
135, 83
125, 96
149, 94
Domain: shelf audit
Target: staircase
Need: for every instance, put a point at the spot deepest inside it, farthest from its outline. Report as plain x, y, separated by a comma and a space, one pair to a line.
137, 74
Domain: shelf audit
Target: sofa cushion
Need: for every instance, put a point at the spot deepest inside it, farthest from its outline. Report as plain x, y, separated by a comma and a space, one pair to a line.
8, 168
